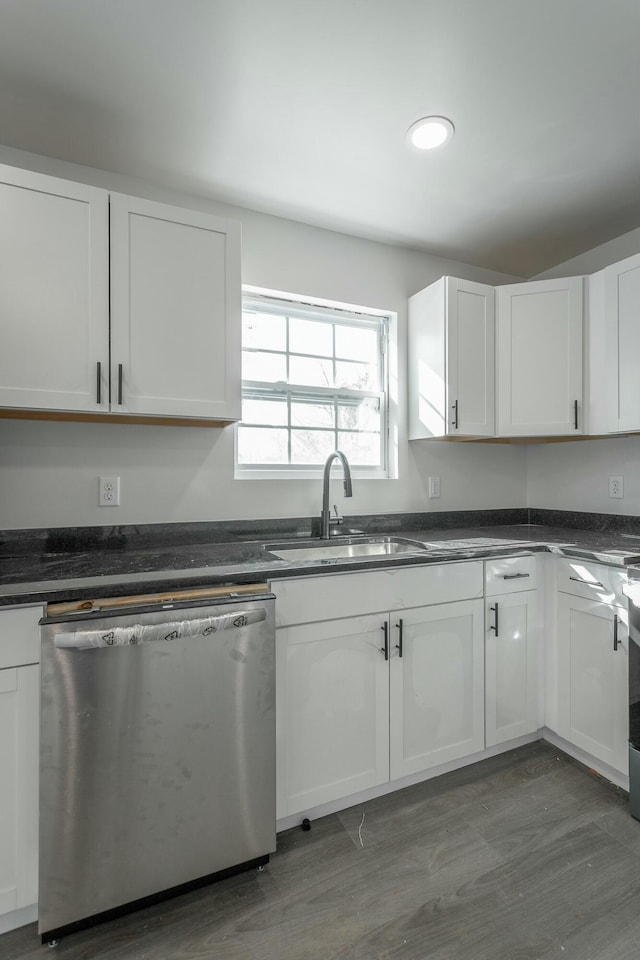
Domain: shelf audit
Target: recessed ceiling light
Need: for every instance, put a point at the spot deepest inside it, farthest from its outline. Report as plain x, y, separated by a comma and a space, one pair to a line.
430, 132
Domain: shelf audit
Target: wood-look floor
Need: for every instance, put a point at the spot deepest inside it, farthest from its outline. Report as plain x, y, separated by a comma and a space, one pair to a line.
526, 856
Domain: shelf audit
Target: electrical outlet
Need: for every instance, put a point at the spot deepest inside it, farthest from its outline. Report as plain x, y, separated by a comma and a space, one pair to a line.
109, 492
434, 488
616, 488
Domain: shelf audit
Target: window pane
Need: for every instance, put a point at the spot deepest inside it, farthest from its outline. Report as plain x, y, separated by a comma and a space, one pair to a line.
270, 367
311, 446
359, 416
262, 445
361, 448
310, 336
315, 373
264, 330
357, 376
272, 412
357, 343
312, 415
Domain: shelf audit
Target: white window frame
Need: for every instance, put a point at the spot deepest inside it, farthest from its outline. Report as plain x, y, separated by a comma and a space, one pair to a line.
308, 308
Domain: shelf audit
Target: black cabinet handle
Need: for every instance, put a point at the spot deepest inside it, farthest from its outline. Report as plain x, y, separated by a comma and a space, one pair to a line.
454, 422
494, 626
399, 625
98, 382
120, 384
385, 649
616, 643
514, 576
575, 414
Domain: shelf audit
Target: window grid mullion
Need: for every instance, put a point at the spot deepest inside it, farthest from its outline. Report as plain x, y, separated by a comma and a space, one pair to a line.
274, 389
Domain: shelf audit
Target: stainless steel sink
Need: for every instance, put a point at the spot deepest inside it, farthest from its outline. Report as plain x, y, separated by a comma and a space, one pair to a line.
362, 548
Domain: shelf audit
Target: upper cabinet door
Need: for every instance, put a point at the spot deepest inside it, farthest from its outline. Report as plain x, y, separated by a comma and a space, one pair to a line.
175, 311
539, 366
54, 293
622, 311
470, 358
451, 360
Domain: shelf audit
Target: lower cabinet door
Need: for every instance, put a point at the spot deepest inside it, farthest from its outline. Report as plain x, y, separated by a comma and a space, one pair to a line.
19, 738
436, 685
511, 670
332, 711
593, 711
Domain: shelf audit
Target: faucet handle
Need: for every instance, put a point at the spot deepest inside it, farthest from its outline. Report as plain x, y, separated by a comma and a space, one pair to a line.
337, 519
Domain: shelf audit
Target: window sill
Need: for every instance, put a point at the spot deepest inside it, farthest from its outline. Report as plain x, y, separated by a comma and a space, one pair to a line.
315, 475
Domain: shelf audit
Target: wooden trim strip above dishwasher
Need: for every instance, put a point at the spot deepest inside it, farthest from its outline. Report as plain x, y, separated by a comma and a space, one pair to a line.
201, 593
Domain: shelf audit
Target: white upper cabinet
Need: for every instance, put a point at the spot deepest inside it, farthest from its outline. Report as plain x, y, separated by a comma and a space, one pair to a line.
451, 360
175, 285
614, 309
54, 293
539, 358
115, 305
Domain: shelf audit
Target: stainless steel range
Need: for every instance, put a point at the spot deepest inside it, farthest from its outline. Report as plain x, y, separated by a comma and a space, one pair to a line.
157, 767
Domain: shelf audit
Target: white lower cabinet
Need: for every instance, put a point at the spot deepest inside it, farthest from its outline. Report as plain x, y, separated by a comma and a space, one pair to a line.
511, 666
436, 686
593, 678
19, 752
365, 699
332, 711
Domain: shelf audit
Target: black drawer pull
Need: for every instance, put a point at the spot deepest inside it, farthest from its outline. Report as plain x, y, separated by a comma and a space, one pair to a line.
616, 643
596, 583
454, 423
575, 414
399, 625
120, 373
98, 382
514, 576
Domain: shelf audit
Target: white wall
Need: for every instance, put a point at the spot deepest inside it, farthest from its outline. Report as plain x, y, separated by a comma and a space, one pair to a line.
575, 476
48, 471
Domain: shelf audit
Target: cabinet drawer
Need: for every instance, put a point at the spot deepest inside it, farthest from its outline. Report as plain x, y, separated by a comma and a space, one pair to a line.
510, 575
594, 581
329, 597
19, 636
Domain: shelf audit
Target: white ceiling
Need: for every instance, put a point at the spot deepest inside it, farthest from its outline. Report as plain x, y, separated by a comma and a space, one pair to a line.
300, 108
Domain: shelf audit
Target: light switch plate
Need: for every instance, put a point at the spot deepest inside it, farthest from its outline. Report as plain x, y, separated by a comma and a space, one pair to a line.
434, 488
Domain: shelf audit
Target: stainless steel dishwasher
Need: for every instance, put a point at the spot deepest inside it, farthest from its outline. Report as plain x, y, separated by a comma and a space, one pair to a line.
157, 761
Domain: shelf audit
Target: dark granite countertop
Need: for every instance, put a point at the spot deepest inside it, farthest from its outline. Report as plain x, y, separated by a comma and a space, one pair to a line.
76, 563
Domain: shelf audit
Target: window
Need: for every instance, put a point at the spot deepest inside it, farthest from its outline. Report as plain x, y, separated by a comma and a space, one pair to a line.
314, 379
